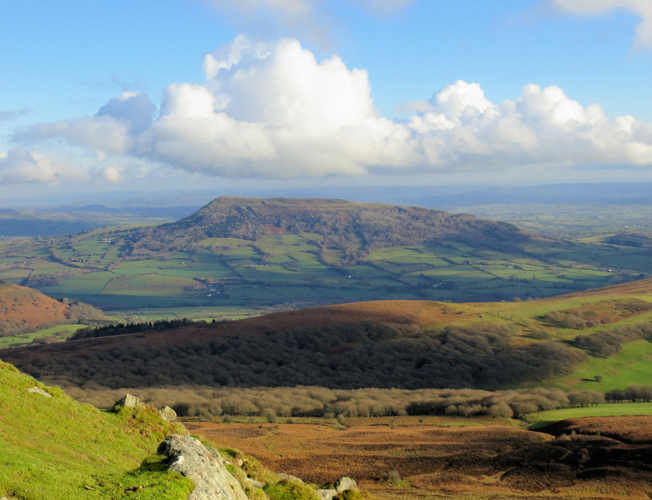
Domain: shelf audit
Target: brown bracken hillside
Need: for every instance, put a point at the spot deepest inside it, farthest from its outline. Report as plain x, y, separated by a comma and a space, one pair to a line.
24, 309
402, 344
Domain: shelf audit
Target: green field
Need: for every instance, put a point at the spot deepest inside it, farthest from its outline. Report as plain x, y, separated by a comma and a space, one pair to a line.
631, 366
56, 333
602, 410
588, 223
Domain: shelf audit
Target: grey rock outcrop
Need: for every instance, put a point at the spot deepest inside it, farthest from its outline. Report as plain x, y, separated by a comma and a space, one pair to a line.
128, 401
36, 390
167, 413
326, 494
204, 466
345, 483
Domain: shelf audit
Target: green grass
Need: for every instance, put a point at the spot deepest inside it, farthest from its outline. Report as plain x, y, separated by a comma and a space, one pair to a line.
92, 283
631, 366
602, 410
55, 448
58, 333
151, 285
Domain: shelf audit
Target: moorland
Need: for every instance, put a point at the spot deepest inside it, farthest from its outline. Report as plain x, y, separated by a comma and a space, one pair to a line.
455, 457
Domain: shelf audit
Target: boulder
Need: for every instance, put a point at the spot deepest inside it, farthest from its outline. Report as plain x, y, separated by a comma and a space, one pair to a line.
167, 413
256, 484
326, 494
204, 466
289, 477
128, 401
36, 390
345, 483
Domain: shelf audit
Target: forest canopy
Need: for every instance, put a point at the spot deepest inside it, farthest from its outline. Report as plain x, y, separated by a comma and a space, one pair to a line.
351, 356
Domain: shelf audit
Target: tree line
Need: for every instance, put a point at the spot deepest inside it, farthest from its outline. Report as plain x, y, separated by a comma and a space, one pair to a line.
206, 402
124, 329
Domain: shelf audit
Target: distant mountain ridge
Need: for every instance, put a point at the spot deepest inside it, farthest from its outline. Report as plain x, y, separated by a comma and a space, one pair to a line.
354, 228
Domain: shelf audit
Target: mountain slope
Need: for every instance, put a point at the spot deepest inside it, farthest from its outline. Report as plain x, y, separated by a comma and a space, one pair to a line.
355, 228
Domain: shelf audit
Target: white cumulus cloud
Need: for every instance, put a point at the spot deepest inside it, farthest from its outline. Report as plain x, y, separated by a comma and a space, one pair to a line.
110, 131
21, 166
642, 8
274, 110
113, 174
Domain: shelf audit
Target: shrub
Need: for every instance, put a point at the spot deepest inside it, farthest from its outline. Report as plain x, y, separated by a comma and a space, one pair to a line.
290, 490
540, 334
354, 495
393, 477
270, 415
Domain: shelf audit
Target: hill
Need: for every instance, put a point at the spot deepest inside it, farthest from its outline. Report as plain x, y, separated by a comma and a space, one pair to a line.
403, 344
28, 316
54, 448
244, 256
354, 229
23, 309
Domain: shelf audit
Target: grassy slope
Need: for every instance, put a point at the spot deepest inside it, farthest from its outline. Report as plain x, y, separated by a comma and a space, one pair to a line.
54, 334
56, 448
631, 366
603, 410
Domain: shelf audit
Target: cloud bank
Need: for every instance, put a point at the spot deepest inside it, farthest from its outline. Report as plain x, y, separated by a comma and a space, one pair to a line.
20, 166
642, 8
273, 110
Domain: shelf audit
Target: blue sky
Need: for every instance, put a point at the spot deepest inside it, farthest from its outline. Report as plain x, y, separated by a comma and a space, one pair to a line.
322, 92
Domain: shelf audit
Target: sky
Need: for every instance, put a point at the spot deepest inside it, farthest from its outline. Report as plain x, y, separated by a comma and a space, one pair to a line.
214, 94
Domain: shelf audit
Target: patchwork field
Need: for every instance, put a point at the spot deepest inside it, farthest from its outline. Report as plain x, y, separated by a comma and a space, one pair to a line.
295, 272
284, 264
